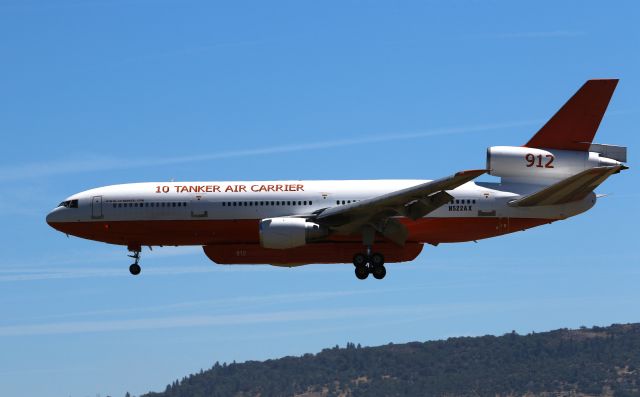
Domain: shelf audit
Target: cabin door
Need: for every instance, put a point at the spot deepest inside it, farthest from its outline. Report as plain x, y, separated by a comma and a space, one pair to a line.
199, 208
96, 207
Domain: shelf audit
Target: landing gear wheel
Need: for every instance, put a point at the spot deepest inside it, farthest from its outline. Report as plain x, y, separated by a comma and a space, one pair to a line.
362, 272
379, 272
377, 260
359, 260
135, 269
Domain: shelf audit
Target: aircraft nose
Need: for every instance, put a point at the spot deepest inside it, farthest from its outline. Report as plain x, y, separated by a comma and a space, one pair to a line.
49, 218
53, 217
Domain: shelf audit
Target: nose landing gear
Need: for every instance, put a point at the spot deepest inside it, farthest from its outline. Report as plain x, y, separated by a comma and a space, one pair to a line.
135, 268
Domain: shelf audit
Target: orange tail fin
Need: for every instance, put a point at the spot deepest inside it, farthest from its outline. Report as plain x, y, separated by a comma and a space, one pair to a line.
575, 124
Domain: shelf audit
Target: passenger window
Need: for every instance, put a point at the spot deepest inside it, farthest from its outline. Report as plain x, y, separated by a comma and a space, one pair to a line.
474, 201
310, 203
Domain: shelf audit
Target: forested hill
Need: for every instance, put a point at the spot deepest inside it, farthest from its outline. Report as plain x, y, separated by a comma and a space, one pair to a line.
587, 361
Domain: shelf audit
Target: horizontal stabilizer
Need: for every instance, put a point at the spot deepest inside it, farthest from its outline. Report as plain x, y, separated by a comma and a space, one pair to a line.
575, 124
614, 152
571, 189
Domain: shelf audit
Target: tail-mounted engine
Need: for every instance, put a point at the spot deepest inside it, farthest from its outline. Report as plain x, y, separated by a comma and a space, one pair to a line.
544, 166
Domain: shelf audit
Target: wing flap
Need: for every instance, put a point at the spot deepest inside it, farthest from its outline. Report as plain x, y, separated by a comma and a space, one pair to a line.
571, 189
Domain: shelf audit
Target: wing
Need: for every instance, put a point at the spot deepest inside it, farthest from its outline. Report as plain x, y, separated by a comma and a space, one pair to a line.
571, 189
413, 202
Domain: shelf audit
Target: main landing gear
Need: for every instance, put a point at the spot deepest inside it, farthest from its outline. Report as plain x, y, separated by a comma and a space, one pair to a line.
135, 268
369, 264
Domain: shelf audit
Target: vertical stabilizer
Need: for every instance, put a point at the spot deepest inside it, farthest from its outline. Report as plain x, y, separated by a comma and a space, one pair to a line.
575, 124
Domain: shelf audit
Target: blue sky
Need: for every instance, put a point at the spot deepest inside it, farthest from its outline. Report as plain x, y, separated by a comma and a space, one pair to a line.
104, 92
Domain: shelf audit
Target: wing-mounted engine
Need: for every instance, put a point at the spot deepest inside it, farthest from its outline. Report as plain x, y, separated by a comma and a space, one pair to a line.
541, 166
284, 232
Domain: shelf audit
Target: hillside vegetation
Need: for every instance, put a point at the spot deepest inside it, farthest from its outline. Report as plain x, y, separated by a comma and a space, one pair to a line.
587, 361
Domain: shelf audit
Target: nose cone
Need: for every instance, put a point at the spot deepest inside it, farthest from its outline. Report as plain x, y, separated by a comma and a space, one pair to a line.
54, 218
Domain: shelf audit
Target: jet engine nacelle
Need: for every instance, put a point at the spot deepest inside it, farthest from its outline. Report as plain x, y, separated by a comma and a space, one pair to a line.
283, 233
532, 165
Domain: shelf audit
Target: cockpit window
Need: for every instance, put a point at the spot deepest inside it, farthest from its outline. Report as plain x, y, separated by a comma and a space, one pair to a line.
69, 204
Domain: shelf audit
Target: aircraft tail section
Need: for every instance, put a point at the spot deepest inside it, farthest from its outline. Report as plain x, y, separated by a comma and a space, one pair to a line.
563, 147
570, 189
574, 126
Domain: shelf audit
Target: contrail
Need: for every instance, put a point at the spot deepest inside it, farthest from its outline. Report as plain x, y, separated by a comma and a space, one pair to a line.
103, 163
222, 320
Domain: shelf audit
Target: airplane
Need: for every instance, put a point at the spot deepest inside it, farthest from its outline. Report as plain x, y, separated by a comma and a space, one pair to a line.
367, 223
